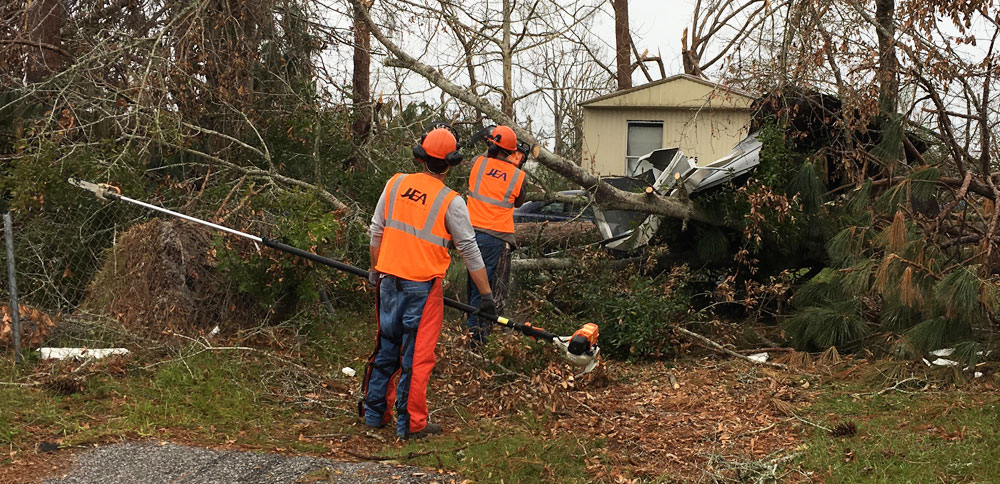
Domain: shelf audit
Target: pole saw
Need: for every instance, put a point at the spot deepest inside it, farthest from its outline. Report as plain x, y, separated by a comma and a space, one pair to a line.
580, 349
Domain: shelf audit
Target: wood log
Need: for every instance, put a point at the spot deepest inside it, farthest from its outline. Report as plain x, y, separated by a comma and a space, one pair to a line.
561, 264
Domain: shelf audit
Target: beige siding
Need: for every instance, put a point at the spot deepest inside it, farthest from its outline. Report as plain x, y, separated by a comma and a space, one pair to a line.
708, 134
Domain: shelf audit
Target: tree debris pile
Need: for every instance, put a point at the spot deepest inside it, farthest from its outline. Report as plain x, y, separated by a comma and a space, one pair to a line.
35, 326
162, 275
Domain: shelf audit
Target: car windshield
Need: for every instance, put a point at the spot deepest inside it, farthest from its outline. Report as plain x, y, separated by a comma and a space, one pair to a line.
569, 210
554, 208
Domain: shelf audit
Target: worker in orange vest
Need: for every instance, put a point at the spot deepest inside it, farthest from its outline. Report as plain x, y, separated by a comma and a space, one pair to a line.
496, 187
415, 221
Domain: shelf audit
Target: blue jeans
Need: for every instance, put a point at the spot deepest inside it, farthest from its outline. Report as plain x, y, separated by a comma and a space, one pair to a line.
491, 248
410, 314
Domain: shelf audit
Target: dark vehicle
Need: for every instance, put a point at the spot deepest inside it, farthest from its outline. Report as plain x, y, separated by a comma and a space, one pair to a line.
556, 211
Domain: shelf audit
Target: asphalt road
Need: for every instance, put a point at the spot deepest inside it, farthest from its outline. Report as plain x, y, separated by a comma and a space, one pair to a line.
152, 463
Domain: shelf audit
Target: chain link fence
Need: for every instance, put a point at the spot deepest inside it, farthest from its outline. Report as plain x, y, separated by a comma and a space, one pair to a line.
58, 250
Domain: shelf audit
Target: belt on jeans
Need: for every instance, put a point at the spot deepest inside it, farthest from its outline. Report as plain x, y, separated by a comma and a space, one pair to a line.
399, 285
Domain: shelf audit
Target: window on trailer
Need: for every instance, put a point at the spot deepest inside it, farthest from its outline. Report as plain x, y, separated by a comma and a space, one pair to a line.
643, 137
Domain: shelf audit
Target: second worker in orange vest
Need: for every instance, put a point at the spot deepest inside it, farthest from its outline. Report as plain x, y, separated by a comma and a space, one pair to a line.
496, 187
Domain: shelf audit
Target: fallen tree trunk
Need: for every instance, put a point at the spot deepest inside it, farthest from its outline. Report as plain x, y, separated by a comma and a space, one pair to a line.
554, 197
561, 264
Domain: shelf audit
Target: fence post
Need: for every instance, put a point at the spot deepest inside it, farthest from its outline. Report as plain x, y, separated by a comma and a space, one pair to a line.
15, 313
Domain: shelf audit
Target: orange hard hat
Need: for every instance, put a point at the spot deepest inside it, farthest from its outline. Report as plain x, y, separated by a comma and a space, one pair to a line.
504, 137
439, 143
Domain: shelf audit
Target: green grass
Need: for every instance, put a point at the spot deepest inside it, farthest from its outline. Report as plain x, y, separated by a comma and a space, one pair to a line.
951, 436
519, 451
209, 387
208, 396
213, 397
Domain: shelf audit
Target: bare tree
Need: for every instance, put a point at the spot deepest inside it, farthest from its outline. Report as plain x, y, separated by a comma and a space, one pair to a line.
709, 22
567, 78
495, 50
623, 44
361, 82
887, 74
43, 23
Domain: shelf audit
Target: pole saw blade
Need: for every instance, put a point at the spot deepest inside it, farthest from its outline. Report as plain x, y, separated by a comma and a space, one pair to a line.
102, 191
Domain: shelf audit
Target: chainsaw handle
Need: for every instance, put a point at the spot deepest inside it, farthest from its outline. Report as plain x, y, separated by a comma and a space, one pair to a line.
525, 328
528, 330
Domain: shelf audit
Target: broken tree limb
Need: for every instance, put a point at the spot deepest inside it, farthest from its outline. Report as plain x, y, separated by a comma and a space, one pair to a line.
605, 194
722, 349
773, 349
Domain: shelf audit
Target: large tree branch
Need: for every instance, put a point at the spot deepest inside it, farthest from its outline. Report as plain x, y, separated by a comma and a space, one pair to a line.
606, 195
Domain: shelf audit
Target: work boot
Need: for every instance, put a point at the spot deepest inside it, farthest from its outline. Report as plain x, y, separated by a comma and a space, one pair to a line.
430, 429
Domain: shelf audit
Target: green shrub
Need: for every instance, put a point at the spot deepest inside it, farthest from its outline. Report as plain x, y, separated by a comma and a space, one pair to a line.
276, 279
634, 311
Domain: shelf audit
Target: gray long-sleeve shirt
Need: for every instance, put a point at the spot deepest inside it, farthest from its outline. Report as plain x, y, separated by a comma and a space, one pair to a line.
456, 221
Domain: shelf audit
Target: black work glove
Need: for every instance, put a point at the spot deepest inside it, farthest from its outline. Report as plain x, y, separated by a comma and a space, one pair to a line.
486, 305
373, 276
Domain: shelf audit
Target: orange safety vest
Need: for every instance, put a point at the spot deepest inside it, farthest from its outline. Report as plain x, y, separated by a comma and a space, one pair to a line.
493, 186
415, 240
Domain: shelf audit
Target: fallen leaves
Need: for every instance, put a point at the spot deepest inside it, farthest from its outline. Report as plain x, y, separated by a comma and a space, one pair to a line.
653, 419
35, 325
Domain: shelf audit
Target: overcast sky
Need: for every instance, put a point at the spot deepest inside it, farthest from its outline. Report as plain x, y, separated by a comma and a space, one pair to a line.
656, 24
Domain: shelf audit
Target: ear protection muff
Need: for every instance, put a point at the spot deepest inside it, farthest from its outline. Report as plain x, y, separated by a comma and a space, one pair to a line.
451, 159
